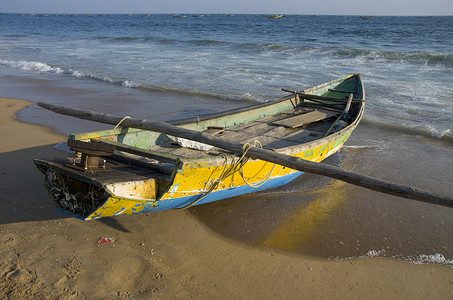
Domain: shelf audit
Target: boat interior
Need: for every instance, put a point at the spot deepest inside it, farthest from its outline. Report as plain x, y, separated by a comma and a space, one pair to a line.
305, 122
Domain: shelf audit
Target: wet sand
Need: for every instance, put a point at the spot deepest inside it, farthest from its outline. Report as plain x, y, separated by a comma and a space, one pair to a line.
322, 217
163, 255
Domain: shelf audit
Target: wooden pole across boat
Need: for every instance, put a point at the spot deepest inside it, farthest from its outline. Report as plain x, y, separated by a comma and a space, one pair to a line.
258, 153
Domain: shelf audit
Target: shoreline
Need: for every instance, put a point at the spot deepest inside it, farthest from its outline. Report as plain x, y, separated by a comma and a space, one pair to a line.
167, 254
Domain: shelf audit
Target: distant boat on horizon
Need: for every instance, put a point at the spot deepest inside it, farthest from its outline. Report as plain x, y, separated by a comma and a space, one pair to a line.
275, 16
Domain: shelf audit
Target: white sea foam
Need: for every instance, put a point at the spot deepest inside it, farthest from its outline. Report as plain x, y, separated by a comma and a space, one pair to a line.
80, 74
77, 74
249, 97
374, 253
437, 258
130, 84
370, 253
31, 66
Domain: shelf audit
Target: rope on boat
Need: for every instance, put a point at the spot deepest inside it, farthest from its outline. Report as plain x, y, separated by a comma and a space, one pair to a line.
231, 169
126, 117
244, 159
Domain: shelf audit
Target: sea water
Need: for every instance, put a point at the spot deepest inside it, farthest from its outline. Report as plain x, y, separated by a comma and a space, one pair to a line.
168, 67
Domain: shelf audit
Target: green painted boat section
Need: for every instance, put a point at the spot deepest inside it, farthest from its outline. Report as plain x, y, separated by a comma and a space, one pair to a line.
145, 138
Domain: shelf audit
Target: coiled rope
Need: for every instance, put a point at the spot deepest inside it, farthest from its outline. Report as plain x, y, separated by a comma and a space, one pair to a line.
229, 169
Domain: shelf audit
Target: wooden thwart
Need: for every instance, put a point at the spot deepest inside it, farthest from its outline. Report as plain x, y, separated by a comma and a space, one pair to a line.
90, 153
138, 151
342, 91
90, 148
306, 118
316, 97
161, 168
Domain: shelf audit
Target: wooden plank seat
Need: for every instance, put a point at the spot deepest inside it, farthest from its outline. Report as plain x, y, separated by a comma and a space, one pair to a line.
306, 118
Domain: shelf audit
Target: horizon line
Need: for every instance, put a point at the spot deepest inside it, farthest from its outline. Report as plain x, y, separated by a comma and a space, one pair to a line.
223, 13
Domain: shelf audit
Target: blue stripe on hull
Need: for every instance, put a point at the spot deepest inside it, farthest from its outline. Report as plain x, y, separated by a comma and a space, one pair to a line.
223, 194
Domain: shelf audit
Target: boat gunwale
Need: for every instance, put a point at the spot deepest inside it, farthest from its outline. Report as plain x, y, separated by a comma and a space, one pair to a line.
231, 112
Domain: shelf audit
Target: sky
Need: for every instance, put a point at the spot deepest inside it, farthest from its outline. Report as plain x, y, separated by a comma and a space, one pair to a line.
321, 7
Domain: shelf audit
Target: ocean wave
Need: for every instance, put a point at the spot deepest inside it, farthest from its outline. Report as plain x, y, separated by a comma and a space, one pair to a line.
206, 42
248, 46
31, 66
418, 57
197, 93
43, 67
444, 135
135, 40
307, 45
130, 84
161, 40
430, 58
251, 47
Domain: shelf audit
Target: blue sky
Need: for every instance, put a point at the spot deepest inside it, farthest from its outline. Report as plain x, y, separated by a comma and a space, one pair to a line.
332, 7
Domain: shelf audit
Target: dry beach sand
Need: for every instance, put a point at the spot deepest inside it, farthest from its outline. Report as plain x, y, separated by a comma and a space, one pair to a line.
165, 255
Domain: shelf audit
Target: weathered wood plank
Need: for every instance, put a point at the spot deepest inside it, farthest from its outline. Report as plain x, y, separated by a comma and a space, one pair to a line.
115, 172
316, 97
254, 128
263, 140
342, 91
278, 131
139, 151
304, 119
324, 106
293, 138
187, 152
166, 169
81, 146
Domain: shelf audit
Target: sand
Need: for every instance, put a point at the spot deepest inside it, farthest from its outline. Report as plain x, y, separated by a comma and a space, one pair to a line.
163, 255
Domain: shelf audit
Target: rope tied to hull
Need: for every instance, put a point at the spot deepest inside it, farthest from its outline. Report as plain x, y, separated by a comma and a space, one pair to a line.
230, 168
244, 159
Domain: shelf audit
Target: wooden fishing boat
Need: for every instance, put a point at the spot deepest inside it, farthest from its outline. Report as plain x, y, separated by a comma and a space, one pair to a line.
131, 171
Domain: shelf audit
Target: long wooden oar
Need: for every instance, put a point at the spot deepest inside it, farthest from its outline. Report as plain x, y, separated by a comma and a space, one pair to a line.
258, 153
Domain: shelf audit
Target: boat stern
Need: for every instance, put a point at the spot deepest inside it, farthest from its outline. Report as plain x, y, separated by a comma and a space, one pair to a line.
87, 199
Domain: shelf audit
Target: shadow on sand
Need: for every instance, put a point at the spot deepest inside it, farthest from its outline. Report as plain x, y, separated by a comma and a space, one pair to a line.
23, 197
